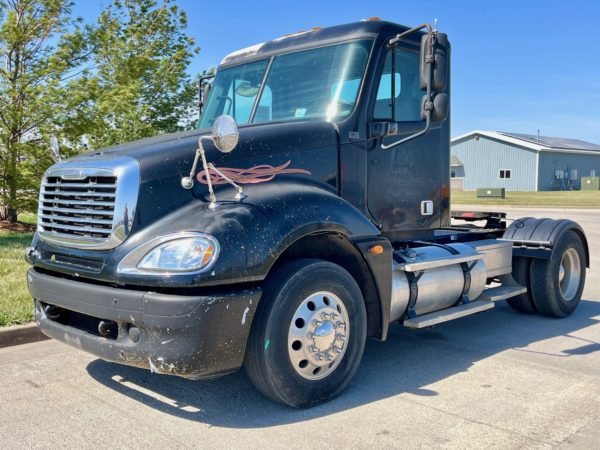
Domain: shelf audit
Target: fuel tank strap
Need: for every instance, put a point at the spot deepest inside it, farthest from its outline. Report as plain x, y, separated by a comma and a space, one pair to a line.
413, 283
466, 268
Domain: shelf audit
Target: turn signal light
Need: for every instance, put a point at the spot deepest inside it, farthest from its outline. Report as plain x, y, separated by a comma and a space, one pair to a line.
376, 250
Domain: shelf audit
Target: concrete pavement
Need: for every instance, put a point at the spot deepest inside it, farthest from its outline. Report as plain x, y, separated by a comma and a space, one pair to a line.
500, 379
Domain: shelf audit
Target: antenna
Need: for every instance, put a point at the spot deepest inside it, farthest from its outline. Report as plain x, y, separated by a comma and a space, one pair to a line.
538, 134
435, 25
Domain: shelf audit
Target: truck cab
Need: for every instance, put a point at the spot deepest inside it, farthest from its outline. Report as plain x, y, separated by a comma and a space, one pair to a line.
308, 212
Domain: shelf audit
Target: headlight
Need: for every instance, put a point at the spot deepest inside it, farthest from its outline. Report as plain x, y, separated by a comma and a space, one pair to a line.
179, 253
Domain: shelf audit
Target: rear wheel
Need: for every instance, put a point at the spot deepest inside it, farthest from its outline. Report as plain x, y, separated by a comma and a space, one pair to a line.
309, 334
557, 283
520, 272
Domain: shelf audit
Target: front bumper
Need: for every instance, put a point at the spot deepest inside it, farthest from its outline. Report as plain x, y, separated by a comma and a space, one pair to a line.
196, 336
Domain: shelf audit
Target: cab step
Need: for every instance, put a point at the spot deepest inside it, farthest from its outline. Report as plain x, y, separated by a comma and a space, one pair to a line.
445, 315
503, 292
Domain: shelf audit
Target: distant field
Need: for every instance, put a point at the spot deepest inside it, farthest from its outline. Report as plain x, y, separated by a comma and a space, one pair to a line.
15, 303
573, 199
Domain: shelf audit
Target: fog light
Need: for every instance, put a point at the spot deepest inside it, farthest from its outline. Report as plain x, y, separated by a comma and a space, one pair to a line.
106, 327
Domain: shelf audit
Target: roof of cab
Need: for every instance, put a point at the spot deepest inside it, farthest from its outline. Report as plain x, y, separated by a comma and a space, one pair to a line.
313, 38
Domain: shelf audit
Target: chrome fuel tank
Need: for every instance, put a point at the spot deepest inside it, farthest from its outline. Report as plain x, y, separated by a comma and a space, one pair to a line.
437, 288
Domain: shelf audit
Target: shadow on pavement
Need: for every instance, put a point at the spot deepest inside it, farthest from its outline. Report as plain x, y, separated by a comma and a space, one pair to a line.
406, 363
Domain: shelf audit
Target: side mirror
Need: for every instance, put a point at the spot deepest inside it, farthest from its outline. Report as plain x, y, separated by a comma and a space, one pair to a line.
225, 133
441, 49
205, 88
439, 110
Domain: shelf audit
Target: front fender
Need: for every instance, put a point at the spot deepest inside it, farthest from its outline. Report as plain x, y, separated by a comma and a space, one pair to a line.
254, 232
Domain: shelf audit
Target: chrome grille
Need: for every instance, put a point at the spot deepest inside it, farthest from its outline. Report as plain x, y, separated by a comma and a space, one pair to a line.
89, 203
78, 207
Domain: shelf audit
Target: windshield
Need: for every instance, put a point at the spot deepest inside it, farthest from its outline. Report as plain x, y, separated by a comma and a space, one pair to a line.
320, 83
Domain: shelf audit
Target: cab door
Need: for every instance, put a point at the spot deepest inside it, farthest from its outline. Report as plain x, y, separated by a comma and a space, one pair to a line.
405, 183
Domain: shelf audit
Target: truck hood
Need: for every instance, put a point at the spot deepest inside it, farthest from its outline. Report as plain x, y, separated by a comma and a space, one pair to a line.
164, 160
173, 153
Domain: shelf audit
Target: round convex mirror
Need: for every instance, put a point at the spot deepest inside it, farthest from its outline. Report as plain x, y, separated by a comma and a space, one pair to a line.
225, 133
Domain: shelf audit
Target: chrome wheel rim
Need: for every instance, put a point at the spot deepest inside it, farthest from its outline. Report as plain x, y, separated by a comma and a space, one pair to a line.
318, 335
569, 274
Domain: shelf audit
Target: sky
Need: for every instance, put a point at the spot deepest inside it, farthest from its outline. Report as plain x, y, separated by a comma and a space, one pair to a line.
517, 66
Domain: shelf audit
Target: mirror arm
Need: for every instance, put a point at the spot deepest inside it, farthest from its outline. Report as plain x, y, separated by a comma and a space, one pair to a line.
240, 191
412, 136
188, 182
399, 37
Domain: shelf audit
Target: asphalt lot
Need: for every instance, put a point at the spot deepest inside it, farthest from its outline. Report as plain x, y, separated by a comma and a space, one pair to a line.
500, 379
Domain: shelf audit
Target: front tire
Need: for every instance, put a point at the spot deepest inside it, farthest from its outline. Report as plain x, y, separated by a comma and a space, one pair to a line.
557, 283
309, 333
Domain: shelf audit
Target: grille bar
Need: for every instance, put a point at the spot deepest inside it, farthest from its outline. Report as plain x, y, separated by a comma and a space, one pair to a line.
79, 194
74, 219
85, 211
90, 202
80, 185
75, 228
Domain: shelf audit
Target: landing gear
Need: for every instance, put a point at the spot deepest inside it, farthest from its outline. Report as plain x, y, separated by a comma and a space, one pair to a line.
309, 334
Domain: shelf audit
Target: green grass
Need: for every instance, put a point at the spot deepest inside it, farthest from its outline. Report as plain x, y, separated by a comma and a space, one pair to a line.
16, 305
573, 199
29, 218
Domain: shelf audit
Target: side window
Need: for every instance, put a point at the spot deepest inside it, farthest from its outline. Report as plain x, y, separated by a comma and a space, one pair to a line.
241, 99
264, 111
383, 102
406, 104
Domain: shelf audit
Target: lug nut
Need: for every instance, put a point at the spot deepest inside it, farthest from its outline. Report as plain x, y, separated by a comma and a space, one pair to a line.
319, 357
313, 349
324, 316
341, 325
341, 337
333, 316
337, 349
316, 323
328, 357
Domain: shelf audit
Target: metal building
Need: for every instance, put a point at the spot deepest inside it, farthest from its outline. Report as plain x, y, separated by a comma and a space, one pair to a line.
521, 162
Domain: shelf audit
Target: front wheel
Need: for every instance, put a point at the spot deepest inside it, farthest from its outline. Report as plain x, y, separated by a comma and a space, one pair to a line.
309, 333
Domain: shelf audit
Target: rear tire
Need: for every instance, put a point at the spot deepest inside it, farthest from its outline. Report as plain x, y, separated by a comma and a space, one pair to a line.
557, 283
308, 335
521, 273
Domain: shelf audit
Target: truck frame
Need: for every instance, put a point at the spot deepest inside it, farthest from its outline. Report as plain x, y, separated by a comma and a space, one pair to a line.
308, 212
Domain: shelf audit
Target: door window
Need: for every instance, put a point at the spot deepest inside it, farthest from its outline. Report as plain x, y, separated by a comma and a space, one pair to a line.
403, 86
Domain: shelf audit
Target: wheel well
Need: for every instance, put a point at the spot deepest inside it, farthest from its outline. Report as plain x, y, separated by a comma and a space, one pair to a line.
336, 248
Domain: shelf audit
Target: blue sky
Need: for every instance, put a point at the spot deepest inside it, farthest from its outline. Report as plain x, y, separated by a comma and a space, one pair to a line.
516, 65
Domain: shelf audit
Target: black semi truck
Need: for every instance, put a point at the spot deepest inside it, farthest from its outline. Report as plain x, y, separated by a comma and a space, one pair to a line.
282, 245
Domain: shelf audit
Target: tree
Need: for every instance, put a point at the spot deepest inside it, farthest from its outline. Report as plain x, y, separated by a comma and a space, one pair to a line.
139, 86
120, 79
39, 46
